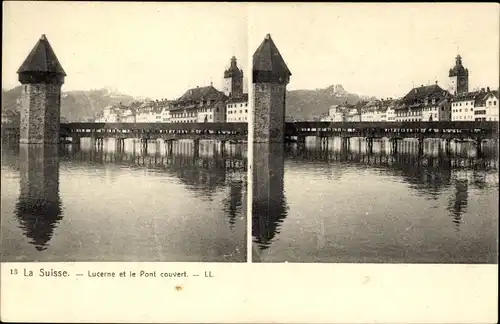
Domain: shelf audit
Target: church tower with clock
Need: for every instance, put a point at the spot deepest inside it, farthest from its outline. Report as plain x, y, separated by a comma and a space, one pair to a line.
459, 78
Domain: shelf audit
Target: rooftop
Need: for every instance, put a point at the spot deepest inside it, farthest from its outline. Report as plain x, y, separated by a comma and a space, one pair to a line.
42, 59
423, 92
267, 58
201, 93
474, 95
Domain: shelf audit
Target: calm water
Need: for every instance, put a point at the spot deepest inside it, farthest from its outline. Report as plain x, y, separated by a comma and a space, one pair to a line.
87, 204
346, 205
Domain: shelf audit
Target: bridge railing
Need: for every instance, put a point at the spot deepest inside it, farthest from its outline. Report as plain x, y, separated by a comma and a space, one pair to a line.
380, 128
156, 128
159, 126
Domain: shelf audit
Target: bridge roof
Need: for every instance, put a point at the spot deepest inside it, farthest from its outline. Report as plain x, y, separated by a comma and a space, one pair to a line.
267, 58
42, 59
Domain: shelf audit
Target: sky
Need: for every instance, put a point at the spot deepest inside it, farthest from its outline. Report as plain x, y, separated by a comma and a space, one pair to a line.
159, 50
380, 49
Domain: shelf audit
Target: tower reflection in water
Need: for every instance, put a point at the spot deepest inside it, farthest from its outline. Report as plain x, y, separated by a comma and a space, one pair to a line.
39, 206
269, 207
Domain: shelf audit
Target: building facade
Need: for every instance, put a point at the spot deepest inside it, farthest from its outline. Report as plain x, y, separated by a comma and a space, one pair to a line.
479, 105
425, 103
463, 106
336, 113
199, 105
237, 109
490, 101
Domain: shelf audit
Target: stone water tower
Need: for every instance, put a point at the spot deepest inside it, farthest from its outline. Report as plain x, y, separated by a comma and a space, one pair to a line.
270, 78
42, 77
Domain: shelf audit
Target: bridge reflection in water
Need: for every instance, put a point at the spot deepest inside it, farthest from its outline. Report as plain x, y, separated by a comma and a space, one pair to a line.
338, 203
82, 203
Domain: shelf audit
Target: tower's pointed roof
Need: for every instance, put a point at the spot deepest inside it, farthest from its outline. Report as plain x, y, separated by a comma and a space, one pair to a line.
267, 58
458, 69
233, 69
42, 59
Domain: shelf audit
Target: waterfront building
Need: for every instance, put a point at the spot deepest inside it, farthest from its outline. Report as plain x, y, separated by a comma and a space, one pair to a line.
490, 101
335, 114
373, 112
481, 105
380, 110
463, 106
459, 78
199, 105
353, 114
110, 114
128, 115
391, 111
165, 114
237, 109
145, 113
425, 103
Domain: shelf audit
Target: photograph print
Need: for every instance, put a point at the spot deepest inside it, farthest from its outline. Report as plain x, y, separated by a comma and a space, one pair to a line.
375, 133
124, 132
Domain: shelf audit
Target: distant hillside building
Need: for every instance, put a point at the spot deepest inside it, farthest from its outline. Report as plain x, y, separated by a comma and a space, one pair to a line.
425, 103
459, 78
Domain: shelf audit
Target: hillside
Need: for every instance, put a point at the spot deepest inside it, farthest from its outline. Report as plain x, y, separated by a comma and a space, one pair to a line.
75, 105
314, 104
